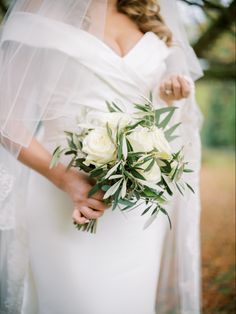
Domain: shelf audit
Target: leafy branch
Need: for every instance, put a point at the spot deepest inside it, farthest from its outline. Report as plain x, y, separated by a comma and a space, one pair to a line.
124, 179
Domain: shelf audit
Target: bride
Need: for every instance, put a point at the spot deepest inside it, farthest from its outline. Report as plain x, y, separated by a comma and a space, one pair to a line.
60, 61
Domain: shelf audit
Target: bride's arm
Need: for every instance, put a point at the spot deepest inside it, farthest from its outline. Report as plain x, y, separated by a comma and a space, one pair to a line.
76, 184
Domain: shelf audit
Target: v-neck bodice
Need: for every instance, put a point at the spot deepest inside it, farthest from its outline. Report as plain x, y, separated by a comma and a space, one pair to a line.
128, 77
112, 51
146, 55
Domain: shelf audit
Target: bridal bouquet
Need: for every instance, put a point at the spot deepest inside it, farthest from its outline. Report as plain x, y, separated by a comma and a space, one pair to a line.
130, 158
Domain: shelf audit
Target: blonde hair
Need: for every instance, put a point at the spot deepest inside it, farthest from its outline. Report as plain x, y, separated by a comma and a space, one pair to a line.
146, 14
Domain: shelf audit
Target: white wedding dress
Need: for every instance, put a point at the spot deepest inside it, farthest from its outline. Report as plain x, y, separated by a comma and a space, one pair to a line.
116, 270
56, 70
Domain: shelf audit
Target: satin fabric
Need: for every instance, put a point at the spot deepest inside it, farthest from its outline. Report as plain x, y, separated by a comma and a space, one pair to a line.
116, 270
119, 269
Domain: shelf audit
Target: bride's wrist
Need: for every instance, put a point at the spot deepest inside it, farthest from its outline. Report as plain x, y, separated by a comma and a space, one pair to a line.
58, 175
65, 178
166, 101
169, 102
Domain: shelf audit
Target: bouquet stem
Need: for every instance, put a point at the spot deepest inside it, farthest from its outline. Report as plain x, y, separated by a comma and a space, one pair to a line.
88, 227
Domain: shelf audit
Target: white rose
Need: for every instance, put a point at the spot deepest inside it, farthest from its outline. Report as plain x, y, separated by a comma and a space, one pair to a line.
112, 118
153, 175
98, 147
161, 144
141, 140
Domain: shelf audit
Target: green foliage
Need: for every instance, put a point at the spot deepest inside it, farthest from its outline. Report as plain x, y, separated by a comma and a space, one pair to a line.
123, 180
218, 105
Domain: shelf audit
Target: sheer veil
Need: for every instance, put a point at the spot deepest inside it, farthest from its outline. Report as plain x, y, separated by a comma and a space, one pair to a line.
171, 14
179, 287
39, 76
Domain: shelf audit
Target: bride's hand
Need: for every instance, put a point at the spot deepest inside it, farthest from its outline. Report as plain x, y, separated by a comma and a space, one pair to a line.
77, 185
174, 88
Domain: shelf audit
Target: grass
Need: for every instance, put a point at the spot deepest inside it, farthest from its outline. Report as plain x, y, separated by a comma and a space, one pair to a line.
218, 232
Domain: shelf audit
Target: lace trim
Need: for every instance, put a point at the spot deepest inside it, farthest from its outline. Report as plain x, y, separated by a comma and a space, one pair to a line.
7, 217
14, 273
17, 268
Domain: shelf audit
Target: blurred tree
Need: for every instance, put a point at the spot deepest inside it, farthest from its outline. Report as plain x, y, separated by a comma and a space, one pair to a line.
215, 44
3, 6
220, 24
219, 131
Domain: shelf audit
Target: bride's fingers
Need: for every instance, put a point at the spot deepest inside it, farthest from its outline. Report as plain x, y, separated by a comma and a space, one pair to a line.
90, 213
185, 87
98, 195
163, 89
78, 218
168, 86
166, 90
95, 204
176, 87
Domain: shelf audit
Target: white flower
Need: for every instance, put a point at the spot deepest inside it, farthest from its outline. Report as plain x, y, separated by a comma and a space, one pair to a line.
145, 140
153, 175
161, 144
112, 118
141, 140
98, 147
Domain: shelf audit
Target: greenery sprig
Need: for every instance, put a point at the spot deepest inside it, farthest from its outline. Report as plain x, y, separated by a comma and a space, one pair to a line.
123, 179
